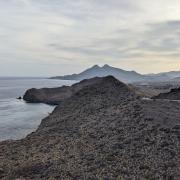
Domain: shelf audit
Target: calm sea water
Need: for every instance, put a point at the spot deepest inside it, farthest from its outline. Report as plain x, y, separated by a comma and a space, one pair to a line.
18, 118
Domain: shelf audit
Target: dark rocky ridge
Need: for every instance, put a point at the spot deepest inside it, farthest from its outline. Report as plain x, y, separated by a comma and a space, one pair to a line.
55, 96
103, 131
174, 94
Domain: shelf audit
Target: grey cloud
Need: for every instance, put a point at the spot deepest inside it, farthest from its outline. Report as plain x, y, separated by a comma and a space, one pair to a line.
81, 31
161, 37
127, 43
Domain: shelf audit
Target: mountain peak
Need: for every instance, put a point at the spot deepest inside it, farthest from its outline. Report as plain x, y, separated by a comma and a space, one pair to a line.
95, 66
106, 66
105, 70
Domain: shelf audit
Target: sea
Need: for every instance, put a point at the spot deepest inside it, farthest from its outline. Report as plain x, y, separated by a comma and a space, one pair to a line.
18, 118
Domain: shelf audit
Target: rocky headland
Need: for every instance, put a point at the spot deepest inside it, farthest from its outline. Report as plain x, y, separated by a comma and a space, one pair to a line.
99, 130
173, 94
54, 96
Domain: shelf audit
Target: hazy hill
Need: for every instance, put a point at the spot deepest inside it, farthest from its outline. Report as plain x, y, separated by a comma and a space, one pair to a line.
176, 79
120, 74
97, 71
172, 75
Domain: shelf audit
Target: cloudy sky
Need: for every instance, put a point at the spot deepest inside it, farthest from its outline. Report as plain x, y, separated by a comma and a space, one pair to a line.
55, 37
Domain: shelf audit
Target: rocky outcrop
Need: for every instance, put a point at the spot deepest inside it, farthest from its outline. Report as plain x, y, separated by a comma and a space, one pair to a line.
55, 96
47, 95
174, 94
102, 131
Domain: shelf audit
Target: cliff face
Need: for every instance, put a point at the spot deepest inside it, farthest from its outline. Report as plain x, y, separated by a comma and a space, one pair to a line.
174, 94
47, 95
103, 131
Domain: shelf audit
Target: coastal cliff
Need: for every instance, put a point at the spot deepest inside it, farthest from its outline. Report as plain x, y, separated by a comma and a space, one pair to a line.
102, 130
55, 96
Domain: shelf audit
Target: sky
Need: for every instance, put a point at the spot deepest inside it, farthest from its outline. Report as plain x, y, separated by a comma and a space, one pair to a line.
57, 37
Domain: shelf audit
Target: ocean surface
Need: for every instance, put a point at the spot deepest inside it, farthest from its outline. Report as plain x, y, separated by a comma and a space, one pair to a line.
18, 118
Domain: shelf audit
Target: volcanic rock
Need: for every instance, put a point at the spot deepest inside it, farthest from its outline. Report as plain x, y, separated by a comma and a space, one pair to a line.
100, 132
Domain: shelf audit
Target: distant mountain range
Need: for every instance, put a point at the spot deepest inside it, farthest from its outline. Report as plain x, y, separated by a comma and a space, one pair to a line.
172, 75
122, 75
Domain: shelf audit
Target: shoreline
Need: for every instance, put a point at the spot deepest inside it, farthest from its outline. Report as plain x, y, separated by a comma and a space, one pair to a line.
13, 112
24, 119
102, 130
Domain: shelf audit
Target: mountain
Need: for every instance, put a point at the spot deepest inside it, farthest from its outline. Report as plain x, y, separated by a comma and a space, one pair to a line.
97, 71
172, 74
157, 77
120, 74
176, 78
102, 131
166, 75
